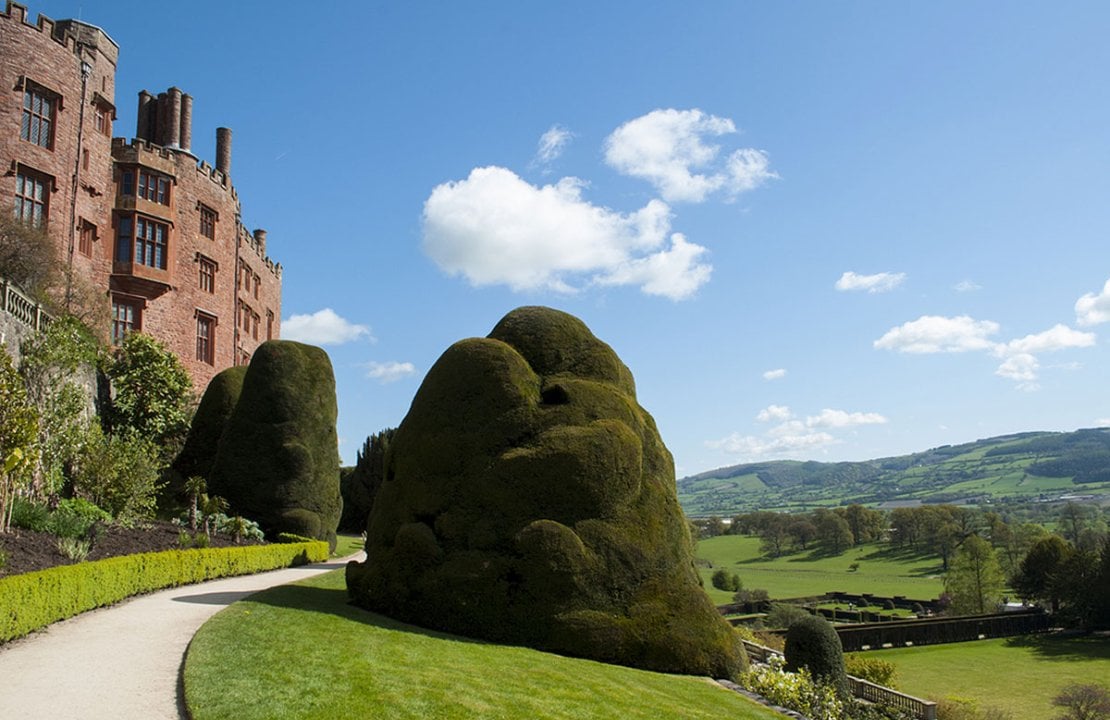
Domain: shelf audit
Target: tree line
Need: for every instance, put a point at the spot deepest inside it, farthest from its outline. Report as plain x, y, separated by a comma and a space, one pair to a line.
983, 554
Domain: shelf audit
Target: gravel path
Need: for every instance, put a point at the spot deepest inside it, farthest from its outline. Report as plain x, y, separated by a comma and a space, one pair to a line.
122, 662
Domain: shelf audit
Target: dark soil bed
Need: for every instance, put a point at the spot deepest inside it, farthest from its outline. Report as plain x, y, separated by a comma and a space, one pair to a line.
28, 550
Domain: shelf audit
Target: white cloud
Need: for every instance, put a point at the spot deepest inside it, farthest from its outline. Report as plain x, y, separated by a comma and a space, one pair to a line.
674, 273
754, 447
774, 412
776, 374
1092, 309
791, 435
552, 143
1059, 337
387, 372
966, 286
323, 327
937, 334
878, 283
1021, 368
495, 228
1102, 422
668, 149
841, 419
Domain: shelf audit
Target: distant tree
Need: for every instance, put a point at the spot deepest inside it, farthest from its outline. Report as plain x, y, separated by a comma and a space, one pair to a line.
1038, 576
802, 532
866, 524
833, 531
974, 581
360, 486
773, 536
905, 527
26, 257
713, 527
1073, 519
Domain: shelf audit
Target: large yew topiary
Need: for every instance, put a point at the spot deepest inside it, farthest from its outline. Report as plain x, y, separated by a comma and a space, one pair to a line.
529, 499
278, 461
812, 643
216, 406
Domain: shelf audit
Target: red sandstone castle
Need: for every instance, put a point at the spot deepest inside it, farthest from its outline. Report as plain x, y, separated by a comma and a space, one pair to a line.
159, 231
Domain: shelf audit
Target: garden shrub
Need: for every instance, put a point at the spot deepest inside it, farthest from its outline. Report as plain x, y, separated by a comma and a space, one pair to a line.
29, 515
529, 499
34, 600
794, 690
724, 580
871, 669
1088, 701
209, 421
783, 615
119, 473
812, 643
955, 708
74, 517
278, 458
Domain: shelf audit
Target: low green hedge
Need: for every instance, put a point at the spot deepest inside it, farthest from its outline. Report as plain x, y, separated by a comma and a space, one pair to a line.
34, 600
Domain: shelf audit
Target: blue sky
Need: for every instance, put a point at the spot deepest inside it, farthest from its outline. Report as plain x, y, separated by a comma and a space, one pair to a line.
830, 231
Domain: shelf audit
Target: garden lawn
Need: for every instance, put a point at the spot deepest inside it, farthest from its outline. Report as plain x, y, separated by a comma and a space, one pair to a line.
301, 651
347, 545
1021, 674
883, 570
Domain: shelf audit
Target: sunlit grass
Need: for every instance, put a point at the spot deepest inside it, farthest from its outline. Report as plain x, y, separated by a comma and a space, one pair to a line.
347, 545
301, 652
1021, 675
882, 570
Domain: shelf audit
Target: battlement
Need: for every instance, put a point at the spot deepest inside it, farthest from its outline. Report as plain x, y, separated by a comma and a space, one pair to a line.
256, 242
141, 147
67, 33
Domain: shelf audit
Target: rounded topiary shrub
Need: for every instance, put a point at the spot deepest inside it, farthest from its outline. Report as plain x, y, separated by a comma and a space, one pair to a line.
278, 460
529, 499
209, 421
812, 643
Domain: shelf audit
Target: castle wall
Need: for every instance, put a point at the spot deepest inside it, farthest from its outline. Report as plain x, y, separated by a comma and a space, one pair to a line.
211, 293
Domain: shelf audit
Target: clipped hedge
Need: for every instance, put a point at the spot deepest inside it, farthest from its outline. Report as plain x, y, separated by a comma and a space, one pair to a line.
34, 600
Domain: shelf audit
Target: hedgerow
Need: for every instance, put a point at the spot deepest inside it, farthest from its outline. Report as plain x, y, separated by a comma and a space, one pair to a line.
34, 600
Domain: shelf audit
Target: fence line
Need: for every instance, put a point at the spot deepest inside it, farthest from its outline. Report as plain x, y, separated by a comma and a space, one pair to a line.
21, 307
860, 688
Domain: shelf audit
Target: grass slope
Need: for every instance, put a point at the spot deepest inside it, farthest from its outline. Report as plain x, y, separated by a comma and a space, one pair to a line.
1021, 675
301, 651
882, 570
1010, 467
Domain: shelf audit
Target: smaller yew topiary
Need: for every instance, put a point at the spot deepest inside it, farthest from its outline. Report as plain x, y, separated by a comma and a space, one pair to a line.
812, 643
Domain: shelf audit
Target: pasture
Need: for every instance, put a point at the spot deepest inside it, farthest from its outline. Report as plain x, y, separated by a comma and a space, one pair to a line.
883, 570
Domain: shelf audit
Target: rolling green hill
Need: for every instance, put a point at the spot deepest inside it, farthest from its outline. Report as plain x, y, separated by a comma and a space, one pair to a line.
1025, 466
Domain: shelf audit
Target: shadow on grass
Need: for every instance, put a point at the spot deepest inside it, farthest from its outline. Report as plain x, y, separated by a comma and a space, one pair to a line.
332, 601
1063, 647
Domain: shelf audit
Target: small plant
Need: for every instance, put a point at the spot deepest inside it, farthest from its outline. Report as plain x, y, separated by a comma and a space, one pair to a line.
76, 518
1083, 702
195, 488
75, 549
30, 515
955, 708
795, 691
880, 672
854, 567
3, 559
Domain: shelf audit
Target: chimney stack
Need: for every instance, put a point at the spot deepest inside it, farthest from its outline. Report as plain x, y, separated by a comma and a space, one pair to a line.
187, 122
223, 150
142, 123
260, 241
173, 118
162, 119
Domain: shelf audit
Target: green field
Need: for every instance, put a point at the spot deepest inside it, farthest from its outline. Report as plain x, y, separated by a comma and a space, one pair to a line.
301, 652
883, 570
1020, 675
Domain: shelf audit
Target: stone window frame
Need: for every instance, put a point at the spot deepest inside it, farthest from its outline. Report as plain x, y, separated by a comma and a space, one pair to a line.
28, 129
206, 337
127, 316
32, 208
145, 246
208, 220
206, 273
86, 236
